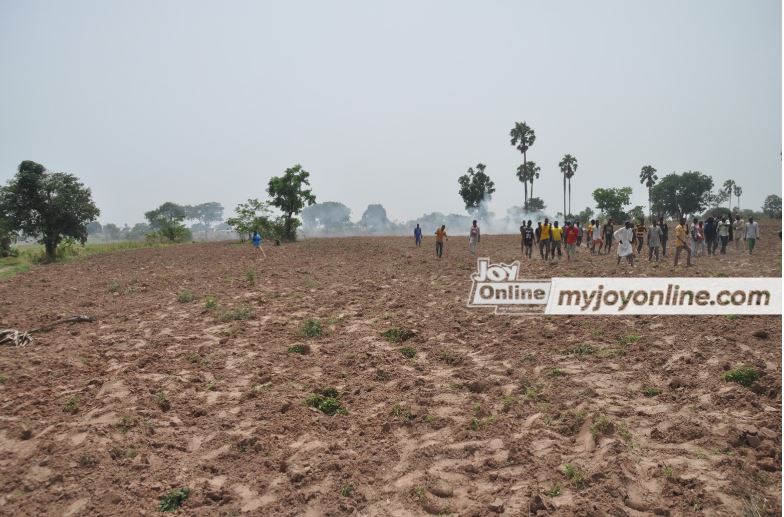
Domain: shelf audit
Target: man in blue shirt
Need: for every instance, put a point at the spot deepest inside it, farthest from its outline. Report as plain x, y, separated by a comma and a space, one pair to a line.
418, 235
256, 239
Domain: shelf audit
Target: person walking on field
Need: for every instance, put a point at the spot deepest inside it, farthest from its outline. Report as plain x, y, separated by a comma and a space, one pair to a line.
544, 239
752, 234
710, 235
418, 236
625, 237
473, 237
556, 234
527, 235
596, 237
654, 240
724, 229
609, 231
739, 233
681, 243
572, 238
640, 234
440, 237
256, 239
664, 235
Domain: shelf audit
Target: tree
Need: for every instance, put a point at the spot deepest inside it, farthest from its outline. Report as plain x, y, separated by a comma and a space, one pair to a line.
475, 186
612, 201
47, 205
205, 213
522, 138
737, 191
772, 206
636, 213
250, 217
374, 218
536, 204
94, 228
527, 173
166, 222
112, 232
6, 237
585, 215
568, 166
678, 195
727, 187
715, 200
328, 217
648, 178
290, 197
138, 232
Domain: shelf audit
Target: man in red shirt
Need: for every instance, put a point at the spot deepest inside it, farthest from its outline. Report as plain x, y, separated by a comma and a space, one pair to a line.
571, 241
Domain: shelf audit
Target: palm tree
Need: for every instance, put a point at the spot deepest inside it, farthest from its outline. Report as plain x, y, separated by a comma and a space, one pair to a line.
648, 177
728, 186
522, 175
737, 191
533, 173
523, 137
568, 166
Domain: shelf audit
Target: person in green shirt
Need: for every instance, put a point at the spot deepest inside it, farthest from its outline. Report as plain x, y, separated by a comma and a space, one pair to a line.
724, 234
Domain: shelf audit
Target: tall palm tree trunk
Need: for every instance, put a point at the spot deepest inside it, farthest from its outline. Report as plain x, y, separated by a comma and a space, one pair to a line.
532, 188
564, 181
525, 203
525, 167
570, 196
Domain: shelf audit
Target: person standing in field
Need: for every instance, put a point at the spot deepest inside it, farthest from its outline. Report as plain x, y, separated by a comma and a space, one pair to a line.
596, 237
572, 238
609, 231
579, 228
693, 235
711, 236
544, 239
473, 237
418, 235
256, 240
699, 239
640, 234
752, 234
681, 243
440, 237
738, 232
654, 240
556, 236
723, 230
527, 234
625, 237
664, 235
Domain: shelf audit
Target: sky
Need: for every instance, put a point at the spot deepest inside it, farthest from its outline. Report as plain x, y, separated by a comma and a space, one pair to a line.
387, 102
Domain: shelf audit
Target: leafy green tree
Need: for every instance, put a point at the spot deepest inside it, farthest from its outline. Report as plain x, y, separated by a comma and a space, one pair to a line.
648, 178
536, 204
205, 213
256, 216
166, 222
737, 191
138, 232
47, 205
568, 166
585, 215
522, 138
727, 188
636, 213
475, 186
94, 228
375, 219
289, 196
678, 195
772, 206
6, 237
613, 201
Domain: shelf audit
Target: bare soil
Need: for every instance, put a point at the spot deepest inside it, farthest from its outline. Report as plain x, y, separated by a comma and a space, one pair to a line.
522, 415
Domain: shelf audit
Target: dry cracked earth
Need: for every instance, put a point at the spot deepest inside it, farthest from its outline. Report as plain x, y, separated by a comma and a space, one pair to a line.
535, 415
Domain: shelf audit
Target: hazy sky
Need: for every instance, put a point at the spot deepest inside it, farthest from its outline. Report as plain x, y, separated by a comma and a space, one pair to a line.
387, 102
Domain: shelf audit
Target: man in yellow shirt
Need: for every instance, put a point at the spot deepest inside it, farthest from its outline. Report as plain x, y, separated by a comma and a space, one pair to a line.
556, 233
544, 240
681, 244
440, 236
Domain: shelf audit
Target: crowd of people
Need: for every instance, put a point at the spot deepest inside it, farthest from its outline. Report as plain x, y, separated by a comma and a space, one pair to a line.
696, 238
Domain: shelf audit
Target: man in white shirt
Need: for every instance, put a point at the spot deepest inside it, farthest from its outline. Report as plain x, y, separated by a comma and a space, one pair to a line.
737, 232
625, 236
751, 234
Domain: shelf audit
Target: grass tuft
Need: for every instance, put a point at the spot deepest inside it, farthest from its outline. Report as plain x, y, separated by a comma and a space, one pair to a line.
743, 375
173, 500
311, 328
185, 297
398, 335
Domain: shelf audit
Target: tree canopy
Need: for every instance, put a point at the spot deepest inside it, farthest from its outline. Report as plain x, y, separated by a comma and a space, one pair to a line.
772, 206
677, 195
166, 222
475, 186
613, 201
327, 217
50, 206
288, 194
